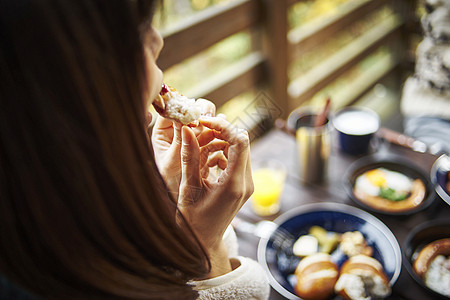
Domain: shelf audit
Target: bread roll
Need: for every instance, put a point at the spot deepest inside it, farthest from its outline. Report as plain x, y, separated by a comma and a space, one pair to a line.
316, 276
362, 277
353, 243
172, 105
428, 253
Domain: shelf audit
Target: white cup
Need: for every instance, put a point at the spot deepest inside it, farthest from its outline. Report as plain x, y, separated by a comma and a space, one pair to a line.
356, 127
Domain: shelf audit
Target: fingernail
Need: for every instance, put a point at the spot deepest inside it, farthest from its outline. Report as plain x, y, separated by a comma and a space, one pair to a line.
185, 135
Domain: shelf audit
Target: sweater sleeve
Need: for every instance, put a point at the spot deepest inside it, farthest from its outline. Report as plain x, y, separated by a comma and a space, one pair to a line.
246, 282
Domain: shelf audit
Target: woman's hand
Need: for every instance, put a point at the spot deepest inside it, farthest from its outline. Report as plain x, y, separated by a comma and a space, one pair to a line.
166, 141
210, 205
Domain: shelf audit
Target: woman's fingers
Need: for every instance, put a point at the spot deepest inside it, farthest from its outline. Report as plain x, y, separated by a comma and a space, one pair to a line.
190, 188
216, 145
206, 107
224, 130
238, 139
208, 151
217, 195
211, 171
168, 133
204, 135
177, 140
163, 130
217, 159
237, 178
162, 123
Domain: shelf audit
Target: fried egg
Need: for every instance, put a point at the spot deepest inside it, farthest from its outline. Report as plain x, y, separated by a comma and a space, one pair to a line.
371, 182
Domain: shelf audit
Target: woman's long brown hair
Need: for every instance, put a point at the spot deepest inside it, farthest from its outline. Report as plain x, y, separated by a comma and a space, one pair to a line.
84, 212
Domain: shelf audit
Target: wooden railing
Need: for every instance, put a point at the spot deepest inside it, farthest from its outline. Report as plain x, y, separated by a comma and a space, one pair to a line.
330, 69
266, 67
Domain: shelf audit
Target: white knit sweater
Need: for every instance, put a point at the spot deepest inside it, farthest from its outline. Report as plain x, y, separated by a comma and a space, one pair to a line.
246, 282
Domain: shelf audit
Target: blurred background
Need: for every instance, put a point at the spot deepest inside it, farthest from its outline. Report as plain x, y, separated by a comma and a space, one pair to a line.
261, 59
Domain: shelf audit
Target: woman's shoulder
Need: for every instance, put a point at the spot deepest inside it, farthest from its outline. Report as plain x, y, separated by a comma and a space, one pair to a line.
247, 281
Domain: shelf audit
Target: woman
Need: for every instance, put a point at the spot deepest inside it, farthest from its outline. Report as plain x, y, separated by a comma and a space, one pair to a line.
84, 212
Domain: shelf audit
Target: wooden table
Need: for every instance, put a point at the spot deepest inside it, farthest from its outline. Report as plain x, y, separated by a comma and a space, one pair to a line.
279, 145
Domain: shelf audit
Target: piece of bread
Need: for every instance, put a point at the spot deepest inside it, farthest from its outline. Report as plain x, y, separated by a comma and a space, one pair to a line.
353, 243
316, 276
428, 253
172, 105
362, 277
437, 276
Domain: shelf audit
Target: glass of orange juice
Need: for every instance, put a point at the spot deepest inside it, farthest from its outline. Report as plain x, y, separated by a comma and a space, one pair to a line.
268, 179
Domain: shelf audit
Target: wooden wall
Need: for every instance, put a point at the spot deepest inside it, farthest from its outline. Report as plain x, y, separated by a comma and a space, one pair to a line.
268, 64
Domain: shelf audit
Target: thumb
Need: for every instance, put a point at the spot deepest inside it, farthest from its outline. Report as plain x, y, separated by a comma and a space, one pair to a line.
177, 139
190, 187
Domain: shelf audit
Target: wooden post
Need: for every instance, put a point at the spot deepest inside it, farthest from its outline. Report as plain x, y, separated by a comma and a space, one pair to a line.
407, 8
276, 48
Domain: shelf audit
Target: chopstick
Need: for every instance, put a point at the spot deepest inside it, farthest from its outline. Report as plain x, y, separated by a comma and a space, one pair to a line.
321, 118
397, 138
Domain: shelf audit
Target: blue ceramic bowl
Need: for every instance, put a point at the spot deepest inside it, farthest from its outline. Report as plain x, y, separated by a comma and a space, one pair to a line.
439, 177
280, 264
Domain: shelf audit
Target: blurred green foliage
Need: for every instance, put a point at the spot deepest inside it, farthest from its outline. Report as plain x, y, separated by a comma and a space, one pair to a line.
229, 51
208, 62
305, 11
330, 46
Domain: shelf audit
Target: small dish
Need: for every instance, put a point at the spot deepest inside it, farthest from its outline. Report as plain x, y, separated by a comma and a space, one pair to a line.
418, 238
440, 177
391, 163
280, 264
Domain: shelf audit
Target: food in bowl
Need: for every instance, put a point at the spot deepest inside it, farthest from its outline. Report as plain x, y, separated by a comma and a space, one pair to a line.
353, 243
433, 266
280, 263
362, 277
317, 240
388, 190
328, 240
316, 276
173, 105
305, 245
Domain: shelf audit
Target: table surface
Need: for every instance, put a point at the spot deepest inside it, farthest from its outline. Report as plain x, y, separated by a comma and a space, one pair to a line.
282, 146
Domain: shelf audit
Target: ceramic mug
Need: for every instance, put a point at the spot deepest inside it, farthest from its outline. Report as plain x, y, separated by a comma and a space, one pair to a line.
355, 127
